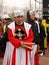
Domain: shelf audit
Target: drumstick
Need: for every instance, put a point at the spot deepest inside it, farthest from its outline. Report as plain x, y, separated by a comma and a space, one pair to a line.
28, 47
29, 43
17, 34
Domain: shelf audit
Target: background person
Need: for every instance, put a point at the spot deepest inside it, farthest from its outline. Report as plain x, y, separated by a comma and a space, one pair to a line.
31, 19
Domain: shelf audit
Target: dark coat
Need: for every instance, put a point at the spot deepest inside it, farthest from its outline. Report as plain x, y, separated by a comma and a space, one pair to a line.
4, 39
42, 36
47, 34
34, 29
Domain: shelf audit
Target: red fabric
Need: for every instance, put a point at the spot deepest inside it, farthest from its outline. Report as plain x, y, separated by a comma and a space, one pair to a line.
17, 42
13, 40
26, 57
30, 38
36, 59
47, 43
48, 46
1, 54
13, 57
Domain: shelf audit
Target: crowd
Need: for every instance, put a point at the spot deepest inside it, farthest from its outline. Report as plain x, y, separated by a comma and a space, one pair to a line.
23, 40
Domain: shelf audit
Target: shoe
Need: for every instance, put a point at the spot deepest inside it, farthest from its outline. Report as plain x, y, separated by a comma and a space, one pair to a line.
41, 54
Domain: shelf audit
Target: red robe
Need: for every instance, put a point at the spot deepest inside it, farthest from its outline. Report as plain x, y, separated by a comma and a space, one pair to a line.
15, 54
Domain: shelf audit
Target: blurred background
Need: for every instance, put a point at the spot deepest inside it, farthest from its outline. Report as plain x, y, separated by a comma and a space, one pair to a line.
10, 6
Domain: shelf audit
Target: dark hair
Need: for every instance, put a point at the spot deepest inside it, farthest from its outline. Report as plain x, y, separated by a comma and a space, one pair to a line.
0, 19
40, 20
28, 16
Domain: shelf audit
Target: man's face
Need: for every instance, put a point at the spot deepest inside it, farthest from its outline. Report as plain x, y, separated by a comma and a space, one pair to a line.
19, 19
32, 16
5, 21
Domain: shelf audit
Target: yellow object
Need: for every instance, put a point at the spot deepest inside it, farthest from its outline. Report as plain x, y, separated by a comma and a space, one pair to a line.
4, 29
45, 26
19, 29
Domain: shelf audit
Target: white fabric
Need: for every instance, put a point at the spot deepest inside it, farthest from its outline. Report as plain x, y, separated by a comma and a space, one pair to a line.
38, 26
27, 27
8, 53
20, 56
33, 52
33, 11
18, 13
20, 52
12, 27
3, 16
29, 60
9, 47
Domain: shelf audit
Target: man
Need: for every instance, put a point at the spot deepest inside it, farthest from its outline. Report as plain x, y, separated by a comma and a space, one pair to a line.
31, 19
42, 37
20, 37
1, 35
5, 20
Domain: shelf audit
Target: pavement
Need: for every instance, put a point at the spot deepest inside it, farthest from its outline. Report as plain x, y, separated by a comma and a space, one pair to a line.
44, 60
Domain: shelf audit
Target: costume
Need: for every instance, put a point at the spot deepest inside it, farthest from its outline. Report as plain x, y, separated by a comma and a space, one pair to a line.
45, 40
15, 54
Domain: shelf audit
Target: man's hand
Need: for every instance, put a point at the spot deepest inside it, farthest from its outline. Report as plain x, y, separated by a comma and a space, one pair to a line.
25, 45
22, 43
15, 34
